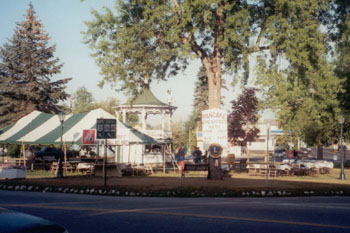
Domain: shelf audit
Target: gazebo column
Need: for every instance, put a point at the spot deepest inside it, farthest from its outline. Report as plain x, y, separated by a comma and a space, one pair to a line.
124, 115
117, 115
144, 116
163, 122
170, 120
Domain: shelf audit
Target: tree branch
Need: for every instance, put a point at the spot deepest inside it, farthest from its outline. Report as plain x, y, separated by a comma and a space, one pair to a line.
189, 40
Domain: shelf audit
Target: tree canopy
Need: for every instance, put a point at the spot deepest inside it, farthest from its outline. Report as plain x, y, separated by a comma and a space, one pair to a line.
341, 36
242, 120
83, 101
303, 90
147, 40
108, 104
27, 65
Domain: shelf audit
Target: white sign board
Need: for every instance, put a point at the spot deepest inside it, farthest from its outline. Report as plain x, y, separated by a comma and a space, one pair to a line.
123, 136
214, 128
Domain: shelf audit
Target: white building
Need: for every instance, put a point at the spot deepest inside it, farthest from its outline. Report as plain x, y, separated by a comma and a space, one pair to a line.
156, 145
266, 140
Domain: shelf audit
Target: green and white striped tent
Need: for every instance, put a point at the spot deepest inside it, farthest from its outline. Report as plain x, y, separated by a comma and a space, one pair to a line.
44, 128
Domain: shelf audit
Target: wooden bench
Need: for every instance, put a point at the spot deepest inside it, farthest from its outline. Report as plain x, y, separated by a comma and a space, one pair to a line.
195, 167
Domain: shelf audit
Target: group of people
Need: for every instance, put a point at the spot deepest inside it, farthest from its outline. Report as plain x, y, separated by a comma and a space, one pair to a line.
180, 154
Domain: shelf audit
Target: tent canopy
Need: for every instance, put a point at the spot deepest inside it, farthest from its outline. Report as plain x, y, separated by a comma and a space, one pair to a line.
44, 128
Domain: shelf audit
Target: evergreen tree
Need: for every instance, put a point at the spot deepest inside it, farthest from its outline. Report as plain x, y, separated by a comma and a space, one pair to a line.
27, 65
201, 100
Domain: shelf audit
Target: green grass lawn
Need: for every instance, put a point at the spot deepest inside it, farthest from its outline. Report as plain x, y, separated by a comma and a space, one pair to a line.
194, 183
332, 178
48, 174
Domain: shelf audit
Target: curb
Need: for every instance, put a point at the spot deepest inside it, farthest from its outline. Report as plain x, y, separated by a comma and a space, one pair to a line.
179, 192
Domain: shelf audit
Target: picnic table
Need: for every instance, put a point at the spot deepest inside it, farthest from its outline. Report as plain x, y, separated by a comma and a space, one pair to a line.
292, 167
85, 167
67, 167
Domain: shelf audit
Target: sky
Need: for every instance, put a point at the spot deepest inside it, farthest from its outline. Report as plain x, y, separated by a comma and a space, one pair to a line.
64, 21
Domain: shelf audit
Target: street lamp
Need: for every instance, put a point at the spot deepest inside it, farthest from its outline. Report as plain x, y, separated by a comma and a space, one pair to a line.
61, 117
342, 174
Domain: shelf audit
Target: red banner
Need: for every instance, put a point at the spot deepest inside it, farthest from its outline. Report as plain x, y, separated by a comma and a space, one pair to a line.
88, 136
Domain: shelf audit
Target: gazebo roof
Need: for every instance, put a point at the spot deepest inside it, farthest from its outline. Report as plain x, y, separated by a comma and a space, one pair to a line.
146, 98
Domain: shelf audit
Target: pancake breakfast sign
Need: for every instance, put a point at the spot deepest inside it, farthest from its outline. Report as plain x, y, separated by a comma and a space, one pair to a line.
214, 127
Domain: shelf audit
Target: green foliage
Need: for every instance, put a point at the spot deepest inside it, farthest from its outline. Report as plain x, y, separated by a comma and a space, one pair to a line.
108, 105
27, 65
83, 101
179, 134
342, 40
133, 119
241, 125
200, 101
13, 150
304, 94
147, 40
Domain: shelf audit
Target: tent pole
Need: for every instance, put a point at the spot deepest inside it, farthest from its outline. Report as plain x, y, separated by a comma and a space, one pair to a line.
143, 153
134, 155
24, 156
163, 158
105, 164
65, 158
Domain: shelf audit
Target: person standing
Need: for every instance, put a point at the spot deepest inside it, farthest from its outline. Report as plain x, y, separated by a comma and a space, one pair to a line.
180, 159
197, 155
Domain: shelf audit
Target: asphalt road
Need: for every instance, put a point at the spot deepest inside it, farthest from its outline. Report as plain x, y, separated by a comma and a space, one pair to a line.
84, 213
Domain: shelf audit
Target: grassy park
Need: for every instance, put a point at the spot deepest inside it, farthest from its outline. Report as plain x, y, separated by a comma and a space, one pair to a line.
194, 184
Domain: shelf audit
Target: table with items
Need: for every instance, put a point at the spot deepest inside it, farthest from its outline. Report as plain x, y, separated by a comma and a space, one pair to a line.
291, 167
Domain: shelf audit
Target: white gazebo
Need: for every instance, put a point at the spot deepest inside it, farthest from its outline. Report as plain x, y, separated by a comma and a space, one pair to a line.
145, 104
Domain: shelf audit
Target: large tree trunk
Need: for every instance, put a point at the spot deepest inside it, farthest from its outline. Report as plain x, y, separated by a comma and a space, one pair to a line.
213, 72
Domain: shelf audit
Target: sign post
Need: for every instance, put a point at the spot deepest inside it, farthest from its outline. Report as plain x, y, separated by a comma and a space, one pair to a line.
106, 129
215, 140
214, 161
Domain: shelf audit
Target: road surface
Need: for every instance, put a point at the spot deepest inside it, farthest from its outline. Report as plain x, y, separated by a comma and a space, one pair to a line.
85, 213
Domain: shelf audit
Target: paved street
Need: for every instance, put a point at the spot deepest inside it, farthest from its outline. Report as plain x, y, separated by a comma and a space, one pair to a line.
84, 213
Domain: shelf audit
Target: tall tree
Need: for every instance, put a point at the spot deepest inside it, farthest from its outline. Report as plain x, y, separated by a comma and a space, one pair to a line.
179, 134
303, 92
27, 65
83, 101
108, 105
154, 39
242, 120
200, 96
341, 36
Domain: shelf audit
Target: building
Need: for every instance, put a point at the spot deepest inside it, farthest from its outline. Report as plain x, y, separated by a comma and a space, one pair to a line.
159, 149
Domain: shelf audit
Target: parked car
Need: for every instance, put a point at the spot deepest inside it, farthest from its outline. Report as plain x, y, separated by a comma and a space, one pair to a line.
50, 153
15, 222
280, 152
304, 150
